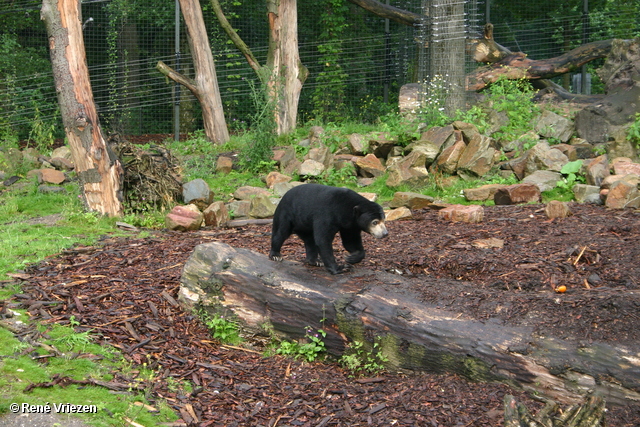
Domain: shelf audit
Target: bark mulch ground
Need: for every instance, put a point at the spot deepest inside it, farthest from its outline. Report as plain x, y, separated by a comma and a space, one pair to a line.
125, 290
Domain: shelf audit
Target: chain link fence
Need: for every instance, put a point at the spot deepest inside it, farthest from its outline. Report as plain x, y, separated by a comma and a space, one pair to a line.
356, 69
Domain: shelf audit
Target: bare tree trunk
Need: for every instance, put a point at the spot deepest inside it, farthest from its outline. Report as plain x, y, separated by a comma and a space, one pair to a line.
98, 168
205, 86
283, 61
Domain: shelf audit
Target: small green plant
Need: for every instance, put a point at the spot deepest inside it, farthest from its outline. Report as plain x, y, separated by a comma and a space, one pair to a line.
570, 173
633, 132
309, 350
222, 328
360, 361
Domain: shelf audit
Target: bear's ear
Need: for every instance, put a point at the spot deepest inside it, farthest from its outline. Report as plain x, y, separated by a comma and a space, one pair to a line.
357, 210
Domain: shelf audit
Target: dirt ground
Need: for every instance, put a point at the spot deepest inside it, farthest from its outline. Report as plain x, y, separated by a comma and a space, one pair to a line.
125, 290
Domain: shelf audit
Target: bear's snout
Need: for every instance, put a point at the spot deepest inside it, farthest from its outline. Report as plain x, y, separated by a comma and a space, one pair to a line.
378, 229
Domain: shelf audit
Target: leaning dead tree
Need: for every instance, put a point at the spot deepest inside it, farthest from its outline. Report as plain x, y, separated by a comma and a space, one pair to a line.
205, 84
99, 170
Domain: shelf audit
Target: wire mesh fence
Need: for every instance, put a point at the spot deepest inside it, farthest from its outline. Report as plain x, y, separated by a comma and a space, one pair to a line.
356, 69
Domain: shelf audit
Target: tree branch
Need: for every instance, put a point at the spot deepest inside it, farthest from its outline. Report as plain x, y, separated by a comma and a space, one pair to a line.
177, 77
400, 16
235, 38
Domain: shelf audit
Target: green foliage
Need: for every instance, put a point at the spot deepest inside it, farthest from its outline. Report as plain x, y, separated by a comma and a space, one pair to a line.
514, 98
432, 105
223, 329
257, 152
310, 350
570, 173
633, 132
329, 95
362, 361
345, 176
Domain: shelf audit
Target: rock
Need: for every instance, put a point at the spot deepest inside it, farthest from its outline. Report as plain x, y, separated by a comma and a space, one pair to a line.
557, 209
239, 208
517, 193
370, 166
61, 163
621, 146
428, 149
287, 160
63, 152
484, 192
184, 218
584, 193
356, 144
248, 192
409, 170
380, 145
469, 130
545, 180
398, 214
311, 168
477, 158
462, 213
543, 157
596, 170
518, 144
224, 164
568, 150
216, 215
48, 176
316, 133
409, 98
275, 178
625, 167
623, 195
322, 155
608, 182
197, 192
280, 188
410, 200
518, 166
262, 207
441, 137
584, 151
447, 161
372, 197
552, 125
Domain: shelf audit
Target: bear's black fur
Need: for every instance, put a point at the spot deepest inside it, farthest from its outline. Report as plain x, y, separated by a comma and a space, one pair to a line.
316, 213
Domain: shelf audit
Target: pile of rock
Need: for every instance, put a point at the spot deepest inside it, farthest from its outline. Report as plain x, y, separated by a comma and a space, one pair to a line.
51, 172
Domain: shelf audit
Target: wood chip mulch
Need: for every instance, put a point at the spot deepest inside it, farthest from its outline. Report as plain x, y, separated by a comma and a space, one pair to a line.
125, 290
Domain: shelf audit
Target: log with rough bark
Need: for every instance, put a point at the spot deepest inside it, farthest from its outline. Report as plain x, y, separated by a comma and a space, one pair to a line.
363, 305
99, 170
519, 66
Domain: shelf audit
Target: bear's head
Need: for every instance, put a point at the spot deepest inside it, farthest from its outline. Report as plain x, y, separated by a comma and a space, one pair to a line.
370, 218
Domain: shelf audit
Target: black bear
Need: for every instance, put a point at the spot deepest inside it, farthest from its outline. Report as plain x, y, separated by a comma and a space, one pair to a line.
316, 213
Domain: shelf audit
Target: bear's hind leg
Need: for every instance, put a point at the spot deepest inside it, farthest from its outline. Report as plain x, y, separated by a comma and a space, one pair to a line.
311, 250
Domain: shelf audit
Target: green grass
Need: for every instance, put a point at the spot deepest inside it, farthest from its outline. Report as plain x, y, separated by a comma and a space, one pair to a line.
25, 240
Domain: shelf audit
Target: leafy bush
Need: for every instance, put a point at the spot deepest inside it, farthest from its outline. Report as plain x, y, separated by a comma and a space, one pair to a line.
309, 350
514, 98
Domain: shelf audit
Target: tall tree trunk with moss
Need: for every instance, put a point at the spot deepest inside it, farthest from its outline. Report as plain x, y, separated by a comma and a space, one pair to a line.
99, 171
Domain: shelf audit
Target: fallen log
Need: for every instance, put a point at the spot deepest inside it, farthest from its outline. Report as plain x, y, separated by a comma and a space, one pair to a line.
286, 298
519, 66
